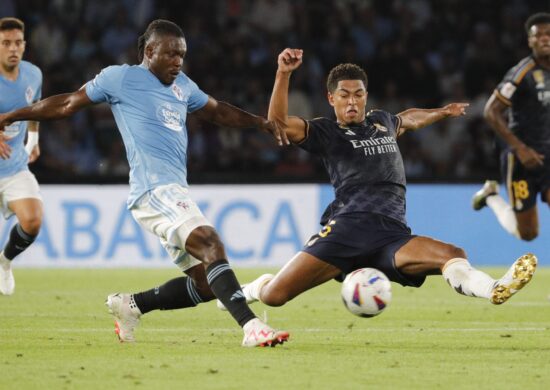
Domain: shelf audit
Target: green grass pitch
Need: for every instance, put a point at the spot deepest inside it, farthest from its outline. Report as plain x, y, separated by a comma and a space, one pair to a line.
55, 333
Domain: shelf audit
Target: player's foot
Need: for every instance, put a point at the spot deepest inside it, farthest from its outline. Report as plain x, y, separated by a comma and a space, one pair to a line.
259, 334
519, 274
126, 313
479, 200
7, 282
251, 290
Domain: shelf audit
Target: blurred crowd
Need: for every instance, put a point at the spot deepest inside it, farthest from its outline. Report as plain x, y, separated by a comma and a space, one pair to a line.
417, 53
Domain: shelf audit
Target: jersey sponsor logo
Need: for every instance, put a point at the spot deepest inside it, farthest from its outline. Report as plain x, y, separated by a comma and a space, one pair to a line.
376, 146
29, 94
508, 90
170, 117
538, 75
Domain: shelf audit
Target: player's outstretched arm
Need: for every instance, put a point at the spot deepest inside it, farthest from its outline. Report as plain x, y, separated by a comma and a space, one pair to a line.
54, 107
225, 114
293, 127
31, 147
417, 118
495, 115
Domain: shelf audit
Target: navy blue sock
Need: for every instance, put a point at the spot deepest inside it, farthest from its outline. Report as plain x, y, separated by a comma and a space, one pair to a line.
177, 293
18, 242
226, 287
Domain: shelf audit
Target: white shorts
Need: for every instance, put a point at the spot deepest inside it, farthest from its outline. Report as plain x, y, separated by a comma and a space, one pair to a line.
22, 185
169, 213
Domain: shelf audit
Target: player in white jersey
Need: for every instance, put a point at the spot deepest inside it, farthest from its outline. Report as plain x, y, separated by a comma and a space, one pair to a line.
150, 103
20, 86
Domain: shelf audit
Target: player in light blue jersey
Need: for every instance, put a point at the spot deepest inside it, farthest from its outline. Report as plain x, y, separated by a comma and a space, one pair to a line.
150, 103
20, 86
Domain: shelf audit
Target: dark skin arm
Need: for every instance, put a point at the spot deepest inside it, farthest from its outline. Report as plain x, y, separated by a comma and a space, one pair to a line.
54, 107
224, 114
417, 118
495, 115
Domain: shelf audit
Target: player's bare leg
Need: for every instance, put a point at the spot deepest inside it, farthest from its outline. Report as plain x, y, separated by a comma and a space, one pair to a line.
29, 216
528, 223
300, 274
424, 255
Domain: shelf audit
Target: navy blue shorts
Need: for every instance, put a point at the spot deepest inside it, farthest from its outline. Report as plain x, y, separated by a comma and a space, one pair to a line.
524, 184
353, 241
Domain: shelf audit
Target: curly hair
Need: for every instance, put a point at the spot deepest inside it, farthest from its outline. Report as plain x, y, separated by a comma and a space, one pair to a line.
345, 72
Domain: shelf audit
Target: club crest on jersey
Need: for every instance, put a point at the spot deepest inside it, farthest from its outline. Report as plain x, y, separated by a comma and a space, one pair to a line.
538, 75
380, 127
29, 94
178, 93
170, 117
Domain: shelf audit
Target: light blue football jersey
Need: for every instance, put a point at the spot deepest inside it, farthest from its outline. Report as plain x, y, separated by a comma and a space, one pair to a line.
151, 119
20, 93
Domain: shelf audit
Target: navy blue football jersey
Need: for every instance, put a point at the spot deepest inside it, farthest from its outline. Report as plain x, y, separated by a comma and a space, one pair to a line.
526, 89
363, 162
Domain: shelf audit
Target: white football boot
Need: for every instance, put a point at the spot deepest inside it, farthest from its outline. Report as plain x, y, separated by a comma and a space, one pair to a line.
251, 290
7, 281
259, 334
519, 274
479, 200
126, 313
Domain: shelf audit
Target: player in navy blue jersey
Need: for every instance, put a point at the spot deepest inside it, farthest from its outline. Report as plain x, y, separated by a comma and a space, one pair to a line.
365, 225
20, 86
519, 112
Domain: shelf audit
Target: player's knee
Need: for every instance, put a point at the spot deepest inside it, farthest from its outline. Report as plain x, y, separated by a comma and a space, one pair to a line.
274, 297
31, 224
209, 244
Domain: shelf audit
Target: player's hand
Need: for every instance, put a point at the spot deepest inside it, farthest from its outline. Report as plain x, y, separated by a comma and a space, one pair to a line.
529, 157
455, 109
277, 131
289, 60
34, 154
5, 149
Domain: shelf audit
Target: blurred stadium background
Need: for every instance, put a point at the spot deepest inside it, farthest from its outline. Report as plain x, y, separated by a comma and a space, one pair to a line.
417, 53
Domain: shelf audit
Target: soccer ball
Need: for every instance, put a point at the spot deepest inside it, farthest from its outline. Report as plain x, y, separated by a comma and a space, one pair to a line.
366, 292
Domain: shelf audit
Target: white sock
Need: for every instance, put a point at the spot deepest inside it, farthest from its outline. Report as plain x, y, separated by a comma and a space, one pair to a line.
4, 262
505, 214
252, 290
467, 280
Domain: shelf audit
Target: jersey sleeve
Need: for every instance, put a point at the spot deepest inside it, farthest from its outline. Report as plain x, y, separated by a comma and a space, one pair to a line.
389, 122
106, 86
197, 98
513, 79
316, 133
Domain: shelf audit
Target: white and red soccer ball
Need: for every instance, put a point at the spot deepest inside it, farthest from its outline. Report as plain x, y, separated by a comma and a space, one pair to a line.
366, 292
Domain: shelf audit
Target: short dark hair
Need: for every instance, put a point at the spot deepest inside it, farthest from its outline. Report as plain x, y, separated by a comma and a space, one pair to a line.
345, 72
538, 18
158, 26
12, 24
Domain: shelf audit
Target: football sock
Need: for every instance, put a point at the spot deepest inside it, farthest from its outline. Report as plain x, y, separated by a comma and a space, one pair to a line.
18, 242
504, 213
467, 280
177, 293
226, 288
252, 291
